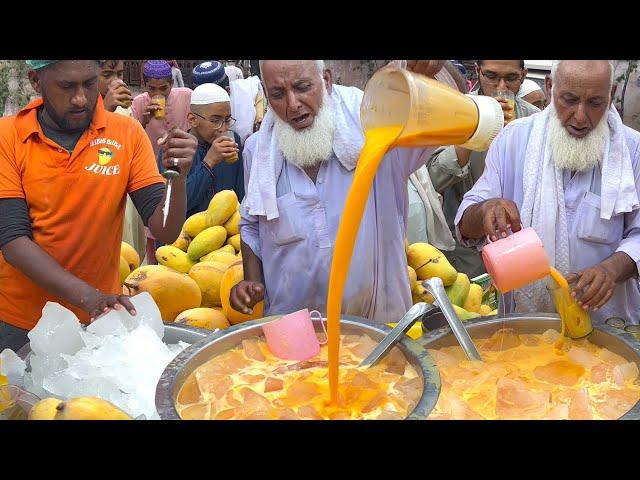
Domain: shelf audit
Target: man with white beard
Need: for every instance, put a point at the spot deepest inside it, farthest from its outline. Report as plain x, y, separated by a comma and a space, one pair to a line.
300, 167
572, 173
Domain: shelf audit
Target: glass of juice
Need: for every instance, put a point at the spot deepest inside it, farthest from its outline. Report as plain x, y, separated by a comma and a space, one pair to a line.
160, 112
510, 99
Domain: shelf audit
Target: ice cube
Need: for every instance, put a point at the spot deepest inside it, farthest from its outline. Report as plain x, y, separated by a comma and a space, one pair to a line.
515, 401
147, 313
559, 372
583, 357
108, 324
12, 367
57, 331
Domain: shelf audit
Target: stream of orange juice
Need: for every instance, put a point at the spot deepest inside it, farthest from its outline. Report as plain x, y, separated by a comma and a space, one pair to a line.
377, 142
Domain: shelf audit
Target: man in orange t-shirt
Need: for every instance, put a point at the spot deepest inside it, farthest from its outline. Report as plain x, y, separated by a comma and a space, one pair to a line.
66, 166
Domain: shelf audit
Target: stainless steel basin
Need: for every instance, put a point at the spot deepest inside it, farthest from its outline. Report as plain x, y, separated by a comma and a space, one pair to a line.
192, 357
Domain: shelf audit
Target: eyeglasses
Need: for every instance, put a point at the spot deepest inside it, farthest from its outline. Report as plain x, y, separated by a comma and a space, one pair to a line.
495, 78
218, 122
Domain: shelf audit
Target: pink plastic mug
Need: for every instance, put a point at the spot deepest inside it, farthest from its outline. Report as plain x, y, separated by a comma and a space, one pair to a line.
292, 337
517, 260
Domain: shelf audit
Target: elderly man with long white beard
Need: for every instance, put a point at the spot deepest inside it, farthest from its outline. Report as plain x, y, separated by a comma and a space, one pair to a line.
572, 173
301, 165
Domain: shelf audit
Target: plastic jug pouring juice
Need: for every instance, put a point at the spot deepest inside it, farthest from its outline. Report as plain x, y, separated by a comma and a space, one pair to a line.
404, 109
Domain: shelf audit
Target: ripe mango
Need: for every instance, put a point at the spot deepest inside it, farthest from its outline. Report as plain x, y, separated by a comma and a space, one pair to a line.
221, 207
207, 241
232, 276
484, 310
430, 262
195, 224
173, 292
182, 242
234, 241
412, 276
130, 255
89, 408
220, 256
208, 276
233, 224
459, 290
463, 314
45, 409
420, 294
124, 270
474, 299
208, 318
174, 258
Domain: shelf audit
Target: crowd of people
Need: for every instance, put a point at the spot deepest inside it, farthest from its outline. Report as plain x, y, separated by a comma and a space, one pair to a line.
82, 165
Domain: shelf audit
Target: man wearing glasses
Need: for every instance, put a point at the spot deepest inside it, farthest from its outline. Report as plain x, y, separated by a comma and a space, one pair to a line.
454, 170
209, 120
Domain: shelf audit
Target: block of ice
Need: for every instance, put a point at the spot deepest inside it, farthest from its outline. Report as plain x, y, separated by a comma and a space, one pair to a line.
108, 324
57, 331
147, 313
12, 367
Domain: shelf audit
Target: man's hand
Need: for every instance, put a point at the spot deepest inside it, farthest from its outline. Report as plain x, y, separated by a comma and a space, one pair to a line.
100, 303
426, 67
498, 216
149, 111
508, 112
118, 95
245, 295
179, 148
221, 149
593, 286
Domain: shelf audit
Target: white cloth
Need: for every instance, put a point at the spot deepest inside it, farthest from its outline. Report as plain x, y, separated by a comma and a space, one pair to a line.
527, 87
543, 206
267, 161
233, 73
438, 232
209, 93
243, 105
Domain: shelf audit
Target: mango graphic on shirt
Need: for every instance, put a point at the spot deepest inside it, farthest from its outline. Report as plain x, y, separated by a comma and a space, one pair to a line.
104, 156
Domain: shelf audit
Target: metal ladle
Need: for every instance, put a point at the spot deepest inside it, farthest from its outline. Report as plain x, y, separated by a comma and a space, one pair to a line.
418, 311
436, 288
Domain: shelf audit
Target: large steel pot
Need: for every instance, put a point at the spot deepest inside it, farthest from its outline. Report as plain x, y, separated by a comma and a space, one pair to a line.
614, 339
192, 357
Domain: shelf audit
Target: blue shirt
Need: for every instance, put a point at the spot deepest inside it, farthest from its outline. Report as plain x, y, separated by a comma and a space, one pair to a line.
203, 182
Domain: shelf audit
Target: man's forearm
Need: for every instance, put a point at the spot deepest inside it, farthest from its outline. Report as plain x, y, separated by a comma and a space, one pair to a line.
621, 266
27, 257
251, 263
177, 213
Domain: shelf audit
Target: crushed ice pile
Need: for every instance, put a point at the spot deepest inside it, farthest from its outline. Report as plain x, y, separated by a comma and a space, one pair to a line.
119, 357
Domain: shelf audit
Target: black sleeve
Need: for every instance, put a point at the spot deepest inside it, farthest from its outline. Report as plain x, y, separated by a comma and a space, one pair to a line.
147, 200
14, 220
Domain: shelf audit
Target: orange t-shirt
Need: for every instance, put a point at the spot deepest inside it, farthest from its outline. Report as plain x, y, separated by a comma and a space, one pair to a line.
76, 202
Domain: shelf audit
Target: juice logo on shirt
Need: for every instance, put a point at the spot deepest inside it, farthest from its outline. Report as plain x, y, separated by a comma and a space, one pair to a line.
105, 156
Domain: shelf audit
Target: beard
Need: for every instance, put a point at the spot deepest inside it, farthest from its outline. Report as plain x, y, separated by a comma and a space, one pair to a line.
66, 124
577, 154
310, 146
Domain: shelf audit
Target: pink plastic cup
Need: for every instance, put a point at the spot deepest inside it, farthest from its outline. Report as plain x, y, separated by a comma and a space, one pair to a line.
292, 337
516, 261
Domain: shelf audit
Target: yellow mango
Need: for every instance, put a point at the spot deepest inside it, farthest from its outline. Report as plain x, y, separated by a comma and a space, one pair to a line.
195, 224
207, 241
233, 224
231, 277
221, 207
130, 255
173, 292
412, 276
484, 310
463, 314
89, 408
124, 269
220, 256
182, 242
474, 299
209, 318
174, 258
45, 409
234, 241
420, 294
208, 276
429, 262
